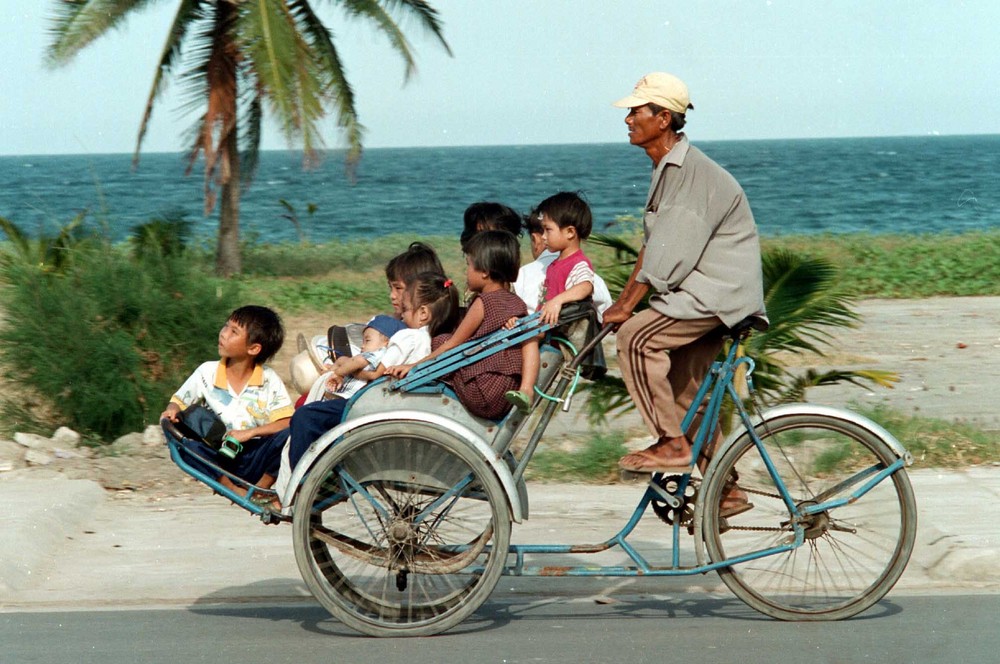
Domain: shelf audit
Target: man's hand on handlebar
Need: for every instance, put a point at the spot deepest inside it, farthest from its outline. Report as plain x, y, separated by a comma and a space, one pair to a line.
616, 314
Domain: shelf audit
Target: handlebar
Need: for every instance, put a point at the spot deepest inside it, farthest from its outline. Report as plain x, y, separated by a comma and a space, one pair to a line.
590, 346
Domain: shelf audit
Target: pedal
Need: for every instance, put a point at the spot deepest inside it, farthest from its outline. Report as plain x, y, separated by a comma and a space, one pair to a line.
633, 477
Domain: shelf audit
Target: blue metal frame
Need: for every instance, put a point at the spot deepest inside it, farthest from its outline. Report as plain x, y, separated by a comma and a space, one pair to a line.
471, 352
179, 449
716, 386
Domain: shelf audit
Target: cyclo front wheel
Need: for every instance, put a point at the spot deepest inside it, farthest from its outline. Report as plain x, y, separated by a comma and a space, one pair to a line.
851, 555
401, 529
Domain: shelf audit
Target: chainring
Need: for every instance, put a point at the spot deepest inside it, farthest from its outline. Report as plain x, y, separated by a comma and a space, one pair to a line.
685, 511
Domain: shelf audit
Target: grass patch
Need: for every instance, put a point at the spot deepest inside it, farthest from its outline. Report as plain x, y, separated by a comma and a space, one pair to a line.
349, 276
907, 266
937, 443
595, 461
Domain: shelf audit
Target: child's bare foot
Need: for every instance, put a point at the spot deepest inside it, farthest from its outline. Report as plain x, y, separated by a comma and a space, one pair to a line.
268, 500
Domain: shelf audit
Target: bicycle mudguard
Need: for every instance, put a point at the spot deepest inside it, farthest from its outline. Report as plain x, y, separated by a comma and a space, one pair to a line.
788, 409
516, 495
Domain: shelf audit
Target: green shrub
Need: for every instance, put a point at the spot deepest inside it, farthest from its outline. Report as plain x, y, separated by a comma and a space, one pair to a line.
595, 461
108, 339
165, 235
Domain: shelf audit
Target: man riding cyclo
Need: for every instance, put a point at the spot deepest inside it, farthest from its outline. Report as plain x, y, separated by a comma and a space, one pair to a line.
700, 257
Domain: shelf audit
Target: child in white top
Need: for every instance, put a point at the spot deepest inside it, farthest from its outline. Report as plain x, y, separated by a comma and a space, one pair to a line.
350, 374
428, 306
247, 396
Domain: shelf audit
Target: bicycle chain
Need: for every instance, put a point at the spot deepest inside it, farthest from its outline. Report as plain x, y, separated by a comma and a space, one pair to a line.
759, 529
686, 510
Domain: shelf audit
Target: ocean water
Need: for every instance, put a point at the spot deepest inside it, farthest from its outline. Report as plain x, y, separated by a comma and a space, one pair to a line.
934, 184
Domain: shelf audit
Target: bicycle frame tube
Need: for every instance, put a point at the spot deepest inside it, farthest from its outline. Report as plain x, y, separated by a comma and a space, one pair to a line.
717, 383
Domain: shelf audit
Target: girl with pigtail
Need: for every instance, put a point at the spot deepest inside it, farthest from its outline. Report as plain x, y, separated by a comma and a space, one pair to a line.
492, 261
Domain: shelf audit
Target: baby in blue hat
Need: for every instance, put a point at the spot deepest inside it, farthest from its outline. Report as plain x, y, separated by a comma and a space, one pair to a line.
350, 374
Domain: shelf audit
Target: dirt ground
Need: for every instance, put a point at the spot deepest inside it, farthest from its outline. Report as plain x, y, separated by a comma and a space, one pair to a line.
945, 350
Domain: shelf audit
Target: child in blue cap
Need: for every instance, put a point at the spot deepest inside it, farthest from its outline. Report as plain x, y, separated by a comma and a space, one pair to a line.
350, 374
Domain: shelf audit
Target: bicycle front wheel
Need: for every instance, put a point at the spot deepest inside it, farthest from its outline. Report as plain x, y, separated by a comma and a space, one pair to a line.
851, 555
402, 529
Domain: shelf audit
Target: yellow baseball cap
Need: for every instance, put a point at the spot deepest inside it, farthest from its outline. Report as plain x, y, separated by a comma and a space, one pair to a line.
658, 88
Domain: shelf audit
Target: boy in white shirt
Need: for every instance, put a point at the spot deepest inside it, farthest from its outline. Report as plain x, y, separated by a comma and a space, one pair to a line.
249, 398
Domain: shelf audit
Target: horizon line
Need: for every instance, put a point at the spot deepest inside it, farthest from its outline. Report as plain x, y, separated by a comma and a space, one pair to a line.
518, 145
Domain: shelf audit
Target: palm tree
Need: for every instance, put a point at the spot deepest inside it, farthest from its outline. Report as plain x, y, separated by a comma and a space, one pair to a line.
803, 305
238, 57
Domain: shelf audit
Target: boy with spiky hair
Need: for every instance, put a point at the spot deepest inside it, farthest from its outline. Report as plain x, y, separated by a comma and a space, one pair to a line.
249, 398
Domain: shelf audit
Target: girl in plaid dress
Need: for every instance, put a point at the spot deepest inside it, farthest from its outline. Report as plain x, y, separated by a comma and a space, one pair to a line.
492, 261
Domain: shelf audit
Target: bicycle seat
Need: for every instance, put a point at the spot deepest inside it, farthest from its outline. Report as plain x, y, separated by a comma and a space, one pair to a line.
751, 322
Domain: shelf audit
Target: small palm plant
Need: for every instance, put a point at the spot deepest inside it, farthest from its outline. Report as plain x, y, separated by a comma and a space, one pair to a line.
804, 307
47, 253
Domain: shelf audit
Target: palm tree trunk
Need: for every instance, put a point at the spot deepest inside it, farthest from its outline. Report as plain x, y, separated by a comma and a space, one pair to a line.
227, 257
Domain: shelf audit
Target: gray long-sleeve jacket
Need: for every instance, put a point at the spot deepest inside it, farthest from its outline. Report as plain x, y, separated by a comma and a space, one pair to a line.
702, 253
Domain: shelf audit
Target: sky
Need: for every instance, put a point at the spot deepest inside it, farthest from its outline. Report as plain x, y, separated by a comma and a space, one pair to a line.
546, 72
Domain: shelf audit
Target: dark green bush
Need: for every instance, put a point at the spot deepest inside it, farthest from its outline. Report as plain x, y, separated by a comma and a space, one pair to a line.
112, 335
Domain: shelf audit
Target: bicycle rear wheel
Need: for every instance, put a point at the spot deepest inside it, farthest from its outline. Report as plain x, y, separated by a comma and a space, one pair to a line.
851, 556
402, 529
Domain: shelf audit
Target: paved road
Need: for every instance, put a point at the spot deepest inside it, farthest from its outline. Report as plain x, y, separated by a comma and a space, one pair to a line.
524, 626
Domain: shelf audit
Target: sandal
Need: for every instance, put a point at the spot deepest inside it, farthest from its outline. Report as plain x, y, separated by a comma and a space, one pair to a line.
266, 499
734, 503
519, 400
647, 461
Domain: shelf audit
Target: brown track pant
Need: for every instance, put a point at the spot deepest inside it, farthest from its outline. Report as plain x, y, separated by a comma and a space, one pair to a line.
663, 361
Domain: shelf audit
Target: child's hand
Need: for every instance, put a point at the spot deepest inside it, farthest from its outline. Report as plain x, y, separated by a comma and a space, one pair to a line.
550, 312
171, 412
334, 382
399, 371
242, 435
511, 323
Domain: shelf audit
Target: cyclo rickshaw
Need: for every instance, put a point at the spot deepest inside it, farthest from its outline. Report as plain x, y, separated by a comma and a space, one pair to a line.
402, 514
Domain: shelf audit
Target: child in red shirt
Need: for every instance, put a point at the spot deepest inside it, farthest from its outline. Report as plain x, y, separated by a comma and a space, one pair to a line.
566, 222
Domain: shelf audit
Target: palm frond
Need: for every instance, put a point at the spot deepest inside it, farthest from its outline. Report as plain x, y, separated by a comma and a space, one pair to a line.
624, 251
77, 23
16, 236
374, 10
188, 12
802, 303
214, 73
608, 396
269, 40
795, 389
250, 131
338, 89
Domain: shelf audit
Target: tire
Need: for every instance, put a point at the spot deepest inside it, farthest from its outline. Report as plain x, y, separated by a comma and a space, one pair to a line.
414, 543
851, 555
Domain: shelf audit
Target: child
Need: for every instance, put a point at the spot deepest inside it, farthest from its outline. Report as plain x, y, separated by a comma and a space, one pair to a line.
429, 305
417, 258
312, 361
350, 374
247, 396
531, 277
488, 216
492, 259
565, 221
